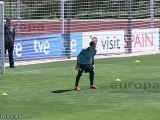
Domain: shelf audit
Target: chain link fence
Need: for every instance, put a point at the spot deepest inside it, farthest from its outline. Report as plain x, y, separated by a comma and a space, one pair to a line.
37, 17
144, 13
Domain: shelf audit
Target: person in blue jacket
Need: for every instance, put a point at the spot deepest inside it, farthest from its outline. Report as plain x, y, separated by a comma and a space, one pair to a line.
85, 63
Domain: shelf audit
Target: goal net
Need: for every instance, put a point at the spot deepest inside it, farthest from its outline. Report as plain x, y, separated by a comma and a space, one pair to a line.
2, 59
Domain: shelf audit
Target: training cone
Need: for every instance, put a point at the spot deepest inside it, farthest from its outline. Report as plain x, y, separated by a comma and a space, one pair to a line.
4, 94
117, 79
137, 61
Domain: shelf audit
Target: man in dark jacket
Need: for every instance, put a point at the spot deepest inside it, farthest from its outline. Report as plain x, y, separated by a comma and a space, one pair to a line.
9, 37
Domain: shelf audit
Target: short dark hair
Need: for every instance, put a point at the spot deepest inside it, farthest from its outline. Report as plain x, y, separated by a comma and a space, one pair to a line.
8, 19
92, 43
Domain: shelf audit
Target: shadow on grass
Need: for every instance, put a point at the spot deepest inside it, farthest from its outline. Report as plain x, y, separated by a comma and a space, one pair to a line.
61, 91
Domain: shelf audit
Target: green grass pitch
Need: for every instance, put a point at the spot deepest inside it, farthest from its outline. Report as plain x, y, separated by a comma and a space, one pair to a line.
45, 91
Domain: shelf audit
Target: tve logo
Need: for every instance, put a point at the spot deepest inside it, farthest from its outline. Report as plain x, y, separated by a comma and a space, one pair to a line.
41, 47
34, 47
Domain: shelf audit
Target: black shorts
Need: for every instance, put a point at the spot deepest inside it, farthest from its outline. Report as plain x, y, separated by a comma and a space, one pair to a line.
86, 67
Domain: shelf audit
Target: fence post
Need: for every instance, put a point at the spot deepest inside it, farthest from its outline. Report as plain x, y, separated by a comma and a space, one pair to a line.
151, 13
68, 34
19, 17
2, 52
129, 30
62, 17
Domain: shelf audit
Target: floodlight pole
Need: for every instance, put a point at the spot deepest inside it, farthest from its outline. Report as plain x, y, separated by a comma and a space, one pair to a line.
151, 13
